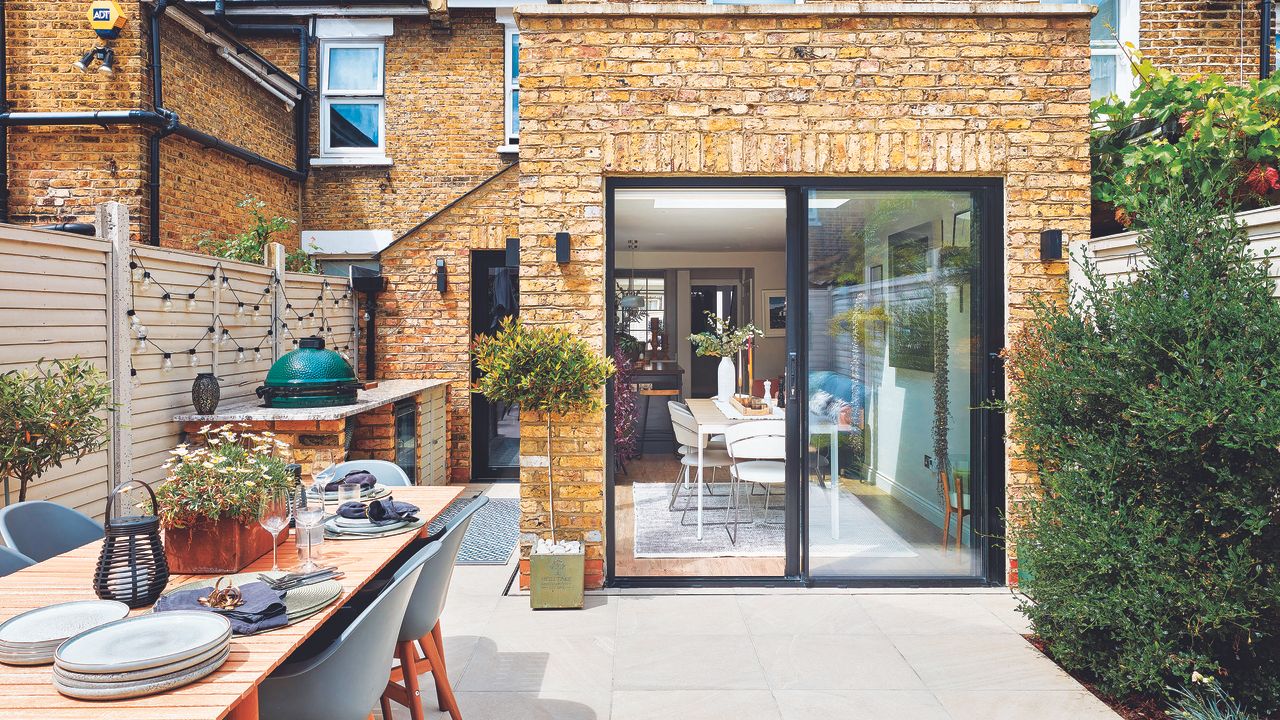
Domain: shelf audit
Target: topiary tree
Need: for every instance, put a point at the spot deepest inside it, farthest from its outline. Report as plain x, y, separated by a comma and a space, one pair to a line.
546, 369
1152, 411
50, 414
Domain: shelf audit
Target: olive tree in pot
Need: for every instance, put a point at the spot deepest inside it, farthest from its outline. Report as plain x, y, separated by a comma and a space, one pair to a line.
551, 371
49, 414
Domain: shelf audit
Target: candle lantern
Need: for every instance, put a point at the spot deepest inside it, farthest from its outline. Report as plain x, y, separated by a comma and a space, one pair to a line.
132, 568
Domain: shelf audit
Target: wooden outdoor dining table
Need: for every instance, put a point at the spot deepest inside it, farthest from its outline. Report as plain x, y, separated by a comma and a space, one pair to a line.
231, 691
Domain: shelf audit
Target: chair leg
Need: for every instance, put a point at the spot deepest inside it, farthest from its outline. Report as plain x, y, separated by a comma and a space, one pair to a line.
959, 529
409, 662
946, 526
447, 701
438, 674
386, 708
675, 489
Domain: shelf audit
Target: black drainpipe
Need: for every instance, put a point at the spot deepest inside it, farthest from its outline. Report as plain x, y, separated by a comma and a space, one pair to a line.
4, 130
1264, 55
153, 144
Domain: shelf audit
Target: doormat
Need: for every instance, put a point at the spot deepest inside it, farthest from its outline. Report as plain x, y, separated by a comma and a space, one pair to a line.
492, 535
658, 532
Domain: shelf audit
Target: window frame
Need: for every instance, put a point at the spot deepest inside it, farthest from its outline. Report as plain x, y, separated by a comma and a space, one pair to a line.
330, 96
1129, 18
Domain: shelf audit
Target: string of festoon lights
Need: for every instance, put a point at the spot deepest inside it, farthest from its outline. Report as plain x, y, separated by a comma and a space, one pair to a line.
248, 303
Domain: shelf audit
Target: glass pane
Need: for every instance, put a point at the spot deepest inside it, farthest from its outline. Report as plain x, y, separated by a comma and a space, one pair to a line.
1106, 24
1102, 76
353, 125
515, 112
354, 69
893, 331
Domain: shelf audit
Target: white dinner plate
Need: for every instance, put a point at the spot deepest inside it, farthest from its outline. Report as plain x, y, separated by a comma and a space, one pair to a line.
117, 691
145, 641
56, 623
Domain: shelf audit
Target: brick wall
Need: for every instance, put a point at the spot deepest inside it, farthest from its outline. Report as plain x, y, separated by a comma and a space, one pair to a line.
444, 114
1193, 36
60, 174
423, 334
705, 90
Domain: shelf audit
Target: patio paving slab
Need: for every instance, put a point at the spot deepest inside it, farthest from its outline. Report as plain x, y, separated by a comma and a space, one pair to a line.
747, 654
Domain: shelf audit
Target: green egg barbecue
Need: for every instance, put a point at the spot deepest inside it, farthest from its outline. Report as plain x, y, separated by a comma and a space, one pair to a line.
309, 377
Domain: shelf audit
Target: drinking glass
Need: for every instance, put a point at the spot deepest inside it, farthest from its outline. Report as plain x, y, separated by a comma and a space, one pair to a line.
308, 514
348, 492
275, 517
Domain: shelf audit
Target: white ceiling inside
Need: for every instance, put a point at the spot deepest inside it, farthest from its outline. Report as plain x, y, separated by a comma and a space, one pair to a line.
702, 219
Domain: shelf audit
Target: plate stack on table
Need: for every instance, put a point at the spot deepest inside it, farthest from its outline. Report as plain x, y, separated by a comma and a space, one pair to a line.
32, 637
300, 602
376, 492
142, 655
353, 520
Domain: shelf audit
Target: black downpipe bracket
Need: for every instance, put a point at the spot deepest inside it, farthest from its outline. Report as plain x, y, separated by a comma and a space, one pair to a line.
1264, 46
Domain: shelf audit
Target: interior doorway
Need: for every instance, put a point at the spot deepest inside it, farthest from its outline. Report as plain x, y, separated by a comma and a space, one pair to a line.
495, 426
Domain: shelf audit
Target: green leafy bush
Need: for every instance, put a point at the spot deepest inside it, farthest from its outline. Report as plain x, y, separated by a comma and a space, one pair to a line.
250, 245
1217, 138
49, 414
230, 474
1152, 411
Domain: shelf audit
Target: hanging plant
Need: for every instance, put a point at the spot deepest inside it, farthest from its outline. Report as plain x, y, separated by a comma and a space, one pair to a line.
941, 380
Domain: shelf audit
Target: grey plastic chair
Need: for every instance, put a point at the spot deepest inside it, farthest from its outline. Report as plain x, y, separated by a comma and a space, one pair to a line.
40, 529
385, 472
421, 627
344, 680
11, 561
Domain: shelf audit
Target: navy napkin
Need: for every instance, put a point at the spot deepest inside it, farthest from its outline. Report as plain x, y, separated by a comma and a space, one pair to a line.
365, 480
262, 609
380, 512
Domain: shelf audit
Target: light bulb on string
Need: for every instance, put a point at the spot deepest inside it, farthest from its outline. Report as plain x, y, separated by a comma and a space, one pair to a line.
141, 330
192, 357
146, 280
257, 354
168, 302
167, 364
239, 356
133, 319
135, 271
142, 343
240, 309
257, 310
191, 301
223, 338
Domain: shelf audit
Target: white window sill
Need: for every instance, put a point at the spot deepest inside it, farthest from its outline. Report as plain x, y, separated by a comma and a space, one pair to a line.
351, 160
509, 148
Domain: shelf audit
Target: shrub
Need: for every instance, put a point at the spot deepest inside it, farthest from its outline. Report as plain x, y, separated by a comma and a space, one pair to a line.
626, 411
1152, 411
50, 414
229, 475
250, 245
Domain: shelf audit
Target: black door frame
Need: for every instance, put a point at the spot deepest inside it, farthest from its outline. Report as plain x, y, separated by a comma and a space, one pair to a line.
481, 262
988, 424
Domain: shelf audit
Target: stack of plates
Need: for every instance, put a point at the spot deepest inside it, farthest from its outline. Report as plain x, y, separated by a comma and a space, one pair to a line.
32, 637
340, 528
300, 603
142, 655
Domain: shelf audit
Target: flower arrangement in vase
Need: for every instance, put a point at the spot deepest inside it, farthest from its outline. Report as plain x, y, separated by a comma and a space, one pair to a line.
724, 341
214, 496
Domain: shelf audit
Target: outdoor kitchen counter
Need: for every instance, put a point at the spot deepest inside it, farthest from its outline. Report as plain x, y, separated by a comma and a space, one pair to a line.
388, 391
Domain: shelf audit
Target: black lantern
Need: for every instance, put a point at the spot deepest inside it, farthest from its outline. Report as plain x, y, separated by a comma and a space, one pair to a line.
132, 568
205, 393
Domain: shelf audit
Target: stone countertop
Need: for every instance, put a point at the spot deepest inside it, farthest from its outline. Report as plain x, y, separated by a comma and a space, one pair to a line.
388, 391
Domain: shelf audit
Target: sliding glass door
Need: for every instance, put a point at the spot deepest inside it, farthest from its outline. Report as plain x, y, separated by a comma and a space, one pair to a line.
895, 340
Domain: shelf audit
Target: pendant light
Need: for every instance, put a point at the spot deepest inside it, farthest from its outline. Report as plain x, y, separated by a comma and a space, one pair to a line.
631, 300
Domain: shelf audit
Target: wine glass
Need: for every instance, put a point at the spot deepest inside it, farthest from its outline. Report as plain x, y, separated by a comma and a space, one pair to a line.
275, 518
307, 514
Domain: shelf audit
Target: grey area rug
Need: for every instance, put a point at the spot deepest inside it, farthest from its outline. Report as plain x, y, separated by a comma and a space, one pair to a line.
492, 535
658, 532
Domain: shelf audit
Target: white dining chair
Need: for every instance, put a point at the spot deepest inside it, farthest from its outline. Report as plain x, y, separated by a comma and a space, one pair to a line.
686, 430
758, 453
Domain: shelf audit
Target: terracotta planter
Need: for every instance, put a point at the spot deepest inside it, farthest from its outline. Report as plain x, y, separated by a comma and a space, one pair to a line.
224, 546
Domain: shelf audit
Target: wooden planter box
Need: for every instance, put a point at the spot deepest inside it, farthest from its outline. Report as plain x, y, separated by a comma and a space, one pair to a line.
224, 546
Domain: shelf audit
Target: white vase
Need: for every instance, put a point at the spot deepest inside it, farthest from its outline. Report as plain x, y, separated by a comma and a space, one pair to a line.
726, 379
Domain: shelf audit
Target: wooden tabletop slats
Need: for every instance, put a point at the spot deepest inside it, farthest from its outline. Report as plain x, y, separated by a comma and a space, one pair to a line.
28, 692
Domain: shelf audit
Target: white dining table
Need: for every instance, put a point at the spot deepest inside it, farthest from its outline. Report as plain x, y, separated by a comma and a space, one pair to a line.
711, 419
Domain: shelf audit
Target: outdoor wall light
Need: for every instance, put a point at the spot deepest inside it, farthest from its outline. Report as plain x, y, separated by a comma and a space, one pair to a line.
513, 252
104, 54
562, 248
442, 276
1050, 245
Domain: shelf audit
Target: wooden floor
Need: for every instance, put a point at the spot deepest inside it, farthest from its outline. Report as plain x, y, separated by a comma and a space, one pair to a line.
653, 467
